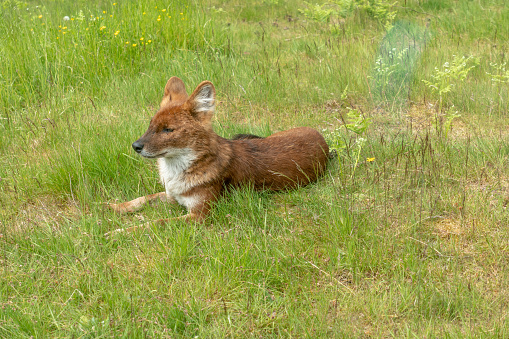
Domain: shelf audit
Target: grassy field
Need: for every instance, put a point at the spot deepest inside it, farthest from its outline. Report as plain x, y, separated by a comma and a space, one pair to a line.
405, 236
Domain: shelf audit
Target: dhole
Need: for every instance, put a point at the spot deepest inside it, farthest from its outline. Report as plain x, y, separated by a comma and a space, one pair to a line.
196, 164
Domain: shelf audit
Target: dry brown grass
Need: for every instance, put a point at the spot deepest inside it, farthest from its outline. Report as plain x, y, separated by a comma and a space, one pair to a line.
42, 212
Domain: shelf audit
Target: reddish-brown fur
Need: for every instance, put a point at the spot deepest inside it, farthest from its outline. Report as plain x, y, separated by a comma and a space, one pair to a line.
196, 164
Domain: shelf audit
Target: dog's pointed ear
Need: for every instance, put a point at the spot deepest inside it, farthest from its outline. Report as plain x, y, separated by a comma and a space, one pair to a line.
174, 91
202, 102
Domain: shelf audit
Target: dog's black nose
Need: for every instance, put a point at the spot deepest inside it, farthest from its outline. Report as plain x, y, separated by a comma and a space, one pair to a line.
137, 146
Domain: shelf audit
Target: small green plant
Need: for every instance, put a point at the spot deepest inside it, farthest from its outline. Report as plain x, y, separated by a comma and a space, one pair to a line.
447, 120
357, 124
317, 12
445, 80
217, 10
499, 78
380, 10
501, 74
344, 7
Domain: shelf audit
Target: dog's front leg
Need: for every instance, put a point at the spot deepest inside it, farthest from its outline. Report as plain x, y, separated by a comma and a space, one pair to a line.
138, 203
197, 213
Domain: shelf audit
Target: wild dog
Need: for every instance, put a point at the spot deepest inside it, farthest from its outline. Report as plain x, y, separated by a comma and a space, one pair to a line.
196, 165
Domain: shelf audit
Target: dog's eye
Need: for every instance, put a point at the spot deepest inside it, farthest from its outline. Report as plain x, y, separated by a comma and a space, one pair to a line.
168, 130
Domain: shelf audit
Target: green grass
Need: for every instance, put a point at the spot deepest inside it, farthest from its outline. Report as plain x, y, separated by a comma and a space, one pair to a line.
409, 244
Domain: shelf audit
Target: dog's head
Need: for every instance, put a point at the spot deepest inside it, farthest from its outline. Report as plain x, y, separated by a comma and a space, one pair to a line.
182, 124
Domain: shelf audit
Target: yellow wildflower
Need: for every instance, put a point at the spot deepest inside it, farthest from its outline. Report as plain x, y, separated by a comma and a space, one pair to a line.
141, 39
134, 45
370, 159
40, 16
101, 28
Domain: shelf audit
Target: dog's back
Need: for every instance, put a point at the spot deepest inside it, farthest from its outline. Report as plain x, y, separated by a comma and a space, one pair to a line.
282, 160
